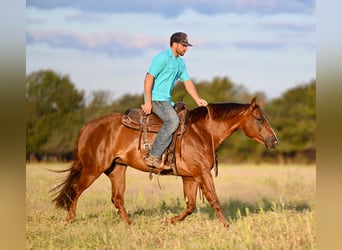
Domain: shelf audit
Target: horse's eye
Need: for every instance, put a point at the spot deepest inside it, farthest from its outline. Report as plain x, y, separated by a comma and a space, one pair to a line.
259, 119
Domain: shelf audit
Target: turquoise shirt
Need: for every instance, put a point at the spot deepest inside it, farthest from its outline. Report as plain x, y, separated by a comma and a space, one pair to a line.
166, 69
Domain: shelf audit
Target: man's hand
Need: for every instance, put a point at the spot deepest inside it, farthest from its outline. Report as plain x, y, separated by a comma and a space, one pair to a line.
201, 102
147, 108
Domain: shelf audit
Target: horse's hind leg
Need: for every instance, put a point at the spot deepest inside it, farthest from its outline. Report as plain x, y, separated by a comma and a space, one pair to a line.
190, 187
118, 180
86, 179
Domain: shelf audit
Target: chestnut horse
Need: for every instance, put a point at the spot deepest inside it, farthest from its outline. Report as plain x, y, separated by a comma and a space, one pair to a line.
104, 145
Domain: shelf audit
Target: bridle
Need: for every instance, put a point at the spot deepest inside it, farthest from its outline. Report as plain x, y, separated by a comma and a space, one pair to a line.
212, 144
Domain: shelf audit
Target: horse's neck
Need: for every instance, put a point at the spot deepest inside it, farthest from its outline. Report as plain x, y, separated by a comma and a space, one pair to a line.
221, 130
229, 128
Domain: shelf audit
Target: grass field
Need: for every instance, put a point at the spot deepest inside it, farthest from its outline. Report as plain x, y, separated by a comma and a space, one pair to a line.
268, 207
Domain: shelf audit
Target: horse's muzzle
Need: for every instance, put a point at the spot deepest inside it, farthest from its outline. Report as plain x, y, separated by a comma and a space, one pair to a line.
272, 143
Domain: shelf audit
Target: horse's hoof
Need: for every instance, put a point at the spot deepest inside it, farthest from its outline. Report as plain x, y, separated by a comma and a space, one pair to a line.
167, 222
68, 221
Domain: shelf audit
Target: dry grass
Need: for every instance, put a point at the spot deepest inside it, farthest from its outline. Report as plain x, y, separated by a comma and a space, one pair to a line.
269, 207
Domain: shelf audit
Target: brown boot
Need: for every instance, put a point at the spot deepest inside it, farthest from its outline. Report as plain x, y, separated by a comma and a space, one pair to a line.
155, 162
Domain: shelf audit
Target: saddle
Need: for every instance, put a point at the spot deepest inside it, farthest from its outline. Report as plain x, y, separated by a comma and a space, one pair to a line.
136, 119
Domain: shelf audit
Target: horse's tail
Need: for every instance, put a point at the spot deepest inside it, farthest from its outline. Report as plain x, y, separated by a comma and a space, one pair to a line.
65, 192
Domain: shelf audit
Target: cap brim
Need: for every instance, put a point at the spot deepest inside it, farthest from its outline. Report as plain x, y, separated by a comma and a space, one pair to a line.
186, 44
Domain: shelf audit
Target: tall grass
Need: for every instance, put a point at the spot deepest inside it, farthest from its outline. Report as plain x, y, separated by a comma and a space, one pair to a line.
268, 207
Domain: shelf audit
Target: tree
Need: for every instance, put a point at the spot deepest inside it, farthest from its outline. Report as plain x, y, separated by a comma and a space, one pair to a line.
293, 117
218, 90
99, 105
56, 111
127, 101
53, 112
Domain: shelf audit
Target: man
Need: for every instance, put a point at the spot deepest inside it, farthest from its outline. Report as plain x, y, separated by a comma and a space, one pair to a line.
166, 68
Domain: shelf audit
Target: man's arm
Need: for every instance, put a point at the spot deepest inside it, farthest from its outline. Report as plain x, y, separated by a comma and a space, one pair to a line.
191, 89
148, 84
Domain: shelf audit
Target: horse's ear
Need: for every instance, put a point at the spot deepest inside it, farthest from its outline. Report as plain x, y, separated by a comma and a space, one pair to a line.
253, 102
253, 105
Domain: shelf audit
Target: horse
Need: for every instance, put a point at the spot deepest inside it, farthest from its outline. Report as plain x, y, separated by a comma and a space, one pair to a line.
105, 145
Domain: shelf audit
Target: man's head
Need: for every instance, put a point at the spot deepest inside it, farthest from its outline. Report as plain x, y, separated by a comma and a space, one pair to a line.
179, 43
179, 37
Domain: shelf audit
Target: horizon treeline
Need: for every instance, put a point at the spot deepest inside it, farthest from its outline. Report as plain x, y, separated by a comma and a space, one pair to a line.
56, 111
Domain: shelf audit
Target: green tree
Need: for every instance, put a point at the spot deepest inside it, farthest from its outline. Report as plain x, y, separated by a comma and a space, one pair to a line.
99, 105
293, 117
56, 111
127, 101
220, 89
53, 112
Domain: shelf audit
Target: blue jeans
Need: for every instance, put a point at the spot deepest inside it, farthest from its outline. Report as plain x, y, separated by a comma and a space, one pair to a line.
168, 115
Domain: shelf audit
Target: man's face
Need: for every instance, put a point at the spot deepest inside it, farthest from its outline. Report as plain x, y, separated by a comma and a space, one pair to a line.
181, 49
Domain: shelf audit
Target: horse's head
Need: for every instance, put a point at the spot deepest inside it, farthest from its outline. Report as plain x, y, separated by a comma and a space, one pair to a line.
257, 126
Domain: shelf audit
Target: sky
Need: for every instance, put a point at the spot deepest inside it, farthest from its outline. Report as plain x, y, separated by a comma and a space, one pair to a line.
264, 45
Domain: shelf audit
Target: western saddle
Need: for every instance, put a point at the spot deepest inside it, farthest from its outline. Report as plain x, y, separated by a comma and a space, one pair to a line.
136, 119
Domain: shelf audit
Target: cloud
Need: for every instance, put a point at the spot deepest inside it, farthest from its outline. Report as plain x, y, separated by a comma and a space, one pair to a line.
111, 44
84, 17
259, 45
174, 8
290, 26
35, 20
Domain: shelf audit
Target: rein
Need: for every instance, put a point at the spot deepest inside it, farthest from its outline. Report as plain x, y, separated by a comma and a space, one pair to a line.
212, 144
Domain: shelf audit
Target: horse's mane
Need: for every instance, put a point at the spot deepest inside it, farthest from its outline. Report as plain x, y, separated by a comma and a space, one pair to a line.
219, 111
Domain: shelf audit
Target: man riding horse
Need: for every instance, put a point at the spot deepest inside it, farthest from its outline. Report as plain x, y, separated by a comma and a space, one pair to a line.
166, 68
109, 144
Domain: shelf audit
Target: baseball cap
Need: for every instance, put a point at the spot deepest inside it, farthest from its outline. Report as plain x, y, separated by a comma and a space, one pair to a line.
180, 37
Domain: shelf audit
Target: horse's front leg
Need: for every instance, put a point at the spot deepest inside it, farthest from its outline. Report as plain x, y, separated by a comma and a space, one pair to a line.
118, 180
208, 189
190, 187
